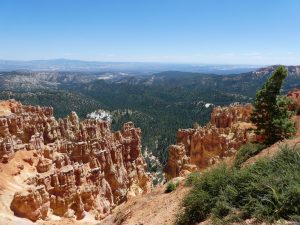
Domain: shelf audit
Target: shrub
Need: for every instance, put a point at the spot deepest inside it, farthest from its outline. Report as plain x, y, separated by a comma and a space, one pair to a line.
171, 186
267, 190
192, 178
247, 151
197, 207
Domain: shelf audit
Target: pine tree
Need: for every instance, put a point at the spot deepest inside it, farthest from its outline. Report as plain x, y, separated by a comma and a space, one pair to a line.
271, 115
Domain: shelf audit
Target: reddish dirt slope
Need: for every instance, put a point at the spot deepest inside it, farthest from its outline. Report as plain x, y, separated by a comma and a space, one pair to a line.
12, 176
154, 208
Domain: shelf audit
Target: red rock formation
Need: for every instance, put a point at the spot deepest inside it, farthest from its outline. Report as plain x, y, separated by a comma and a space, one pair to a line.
32, 204
82, 166
223, 117
206, 145
294, 95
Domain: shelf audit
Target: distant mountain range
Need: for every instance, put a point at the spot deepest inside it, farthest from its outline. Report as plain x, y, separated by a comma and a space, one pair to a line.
133, 67
27, 80
293, 70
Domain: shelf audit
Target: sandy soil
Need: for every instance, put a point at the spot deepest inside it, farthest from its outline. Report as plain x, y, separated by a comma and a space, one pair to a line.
154, 208
88, 220
12, 180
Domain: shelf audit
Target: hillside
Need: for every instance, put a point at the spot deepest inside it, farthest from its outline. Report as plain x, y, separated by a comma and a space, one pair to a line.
78, 162
159, 207
154, 208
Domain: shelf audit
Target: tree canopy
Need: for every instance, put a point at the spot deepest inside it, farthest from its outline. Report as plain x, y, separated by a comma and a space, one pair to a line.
271, 115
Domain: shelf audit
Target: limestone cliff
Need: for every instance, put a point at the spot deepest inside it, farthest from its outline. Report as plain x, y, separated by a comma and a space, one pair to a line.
201, 147
79, 166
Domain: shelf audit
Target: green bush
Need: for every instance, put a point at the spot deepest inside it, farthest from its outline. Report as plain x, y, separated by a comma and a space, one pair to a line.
192, 178
171, 186
267, 190
247, 151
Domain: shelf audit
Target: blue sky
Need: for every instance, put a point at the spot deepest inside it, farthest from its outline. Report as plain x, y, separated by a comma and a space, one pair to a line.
195, 31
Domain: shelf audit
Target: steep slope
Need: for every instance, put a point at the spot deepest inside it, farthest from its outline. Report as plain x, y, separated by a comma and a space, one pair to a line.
158, 207
154, 208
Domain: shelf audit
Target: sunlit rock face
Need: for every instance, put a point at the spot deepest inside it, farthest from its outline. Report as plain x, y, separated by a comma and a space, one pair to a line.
294, 95
79, 166
223, 117
204, 146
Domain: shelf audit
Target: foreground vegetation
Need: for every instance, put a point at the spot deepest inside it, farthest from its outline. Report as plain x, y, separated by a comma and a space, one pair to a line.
268, 190
171, 186
247, 151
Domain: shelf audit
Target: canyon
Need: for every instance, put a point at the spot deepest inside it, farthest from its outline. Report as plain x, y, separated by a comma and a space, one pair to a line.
64, 171
66, 167
78, 169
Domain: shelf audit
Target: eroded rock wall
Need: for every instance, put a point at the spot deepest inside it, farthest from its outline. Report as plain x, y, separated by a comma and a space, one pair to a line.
80, 166
223, 117
204, 146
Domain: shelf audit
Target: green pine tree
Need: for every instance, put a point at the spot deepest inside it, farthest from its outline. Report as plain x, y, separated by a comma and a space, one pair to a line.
271, 115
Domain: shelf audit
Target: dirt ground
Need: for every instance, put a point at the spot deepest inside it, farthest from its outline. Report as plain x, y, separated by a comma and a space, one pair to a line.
154, 208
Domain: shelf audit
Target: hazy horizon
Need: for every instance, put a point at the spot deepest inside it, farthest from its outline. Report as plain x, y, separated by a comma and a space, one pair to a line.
138, 62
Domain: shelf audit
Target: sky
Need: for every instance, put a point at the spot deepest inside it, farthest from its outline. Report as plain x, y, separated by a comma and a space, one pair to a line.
259, 32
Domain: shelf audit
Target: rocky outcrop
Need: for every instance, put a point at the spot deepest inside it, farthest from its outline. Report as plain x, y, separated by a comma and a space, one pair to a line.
204, 146
223, 117
294, 71
33, 203
178, 162
294, 95
81, 166
22, 127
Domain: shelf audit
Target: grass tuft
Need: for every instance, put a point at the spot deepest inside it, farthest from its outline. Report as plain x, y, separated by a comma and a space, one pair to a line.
247, 151
171, 186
